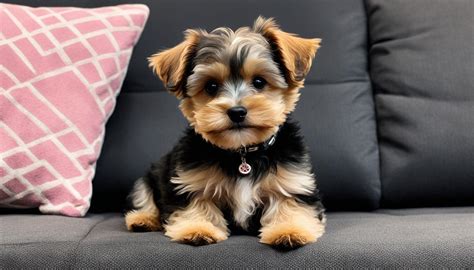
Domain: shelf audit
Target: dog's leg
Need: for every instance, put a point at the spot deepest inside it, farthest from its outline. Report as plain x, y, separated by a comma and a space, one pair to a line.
200, 223
145, 217
288, 224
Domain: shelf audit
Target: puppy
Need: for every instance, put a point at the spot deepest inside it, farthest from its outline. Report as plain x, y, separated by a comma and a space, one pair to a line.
242, 165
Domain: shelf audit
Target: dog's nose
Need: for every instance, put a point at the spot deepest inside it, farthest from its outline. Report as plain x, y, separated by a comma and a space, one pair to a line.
237, 114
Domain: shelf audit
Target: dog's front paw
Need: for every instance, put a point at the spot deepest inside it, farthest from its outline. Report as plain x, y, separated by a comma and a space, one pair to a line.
138, 221
195, 233
288, 236
199, 238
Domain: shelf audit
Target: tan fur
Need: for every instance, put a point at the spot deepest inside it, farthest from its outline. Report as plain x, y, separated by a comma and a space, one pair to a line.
142, 197
288, 181
212, 116
142, 221
290, 97
267, 110
189, 106
286, 222
201, 222
204, 72
170, 65
290, 234
229, 139
196, 232
210, 183
213, 185
297, 52
290, 224
261, 67
146, 217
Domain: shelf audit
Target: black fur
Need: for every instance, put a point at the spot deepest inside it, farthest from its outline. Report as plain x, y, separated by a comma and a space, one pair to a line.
236, 63
192, 151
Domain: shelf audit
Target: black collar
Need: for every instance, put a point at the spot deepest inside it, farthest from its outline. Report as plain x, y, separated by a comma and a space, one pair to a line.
245, 168
261, 146
244, 150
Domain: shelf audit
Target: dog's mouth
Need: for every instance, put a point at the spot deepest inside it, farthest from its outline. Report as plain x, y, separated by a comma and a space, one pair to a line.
239, 126
245, 126
236, 127
236, 135
233, 127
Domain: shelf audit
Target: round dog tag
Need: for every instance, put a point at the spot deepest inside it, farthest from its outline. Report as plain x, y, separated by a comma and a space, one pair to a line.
245, 168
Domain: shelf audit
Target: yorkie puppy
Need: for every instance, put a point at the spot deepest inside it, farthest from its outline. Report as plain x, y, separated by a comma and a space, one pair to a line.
242, 165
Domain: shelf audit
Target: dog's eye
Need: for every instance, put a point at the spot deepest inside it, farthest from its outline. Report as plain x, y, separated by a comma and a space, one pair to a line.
211, 88
259, 82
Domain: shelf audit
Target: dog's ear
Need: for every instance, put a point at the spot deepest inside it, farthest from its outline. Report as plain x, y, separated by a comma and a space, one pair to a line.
294, 54
174, 65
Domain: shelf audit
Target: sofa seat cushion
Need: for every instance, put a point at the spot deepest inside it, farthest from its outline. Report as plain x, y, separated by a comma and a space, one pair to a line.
415, 238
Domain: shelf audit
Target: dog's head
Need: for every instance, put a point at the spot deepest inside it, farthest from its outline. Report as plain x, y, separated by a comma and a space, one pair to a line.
237, 88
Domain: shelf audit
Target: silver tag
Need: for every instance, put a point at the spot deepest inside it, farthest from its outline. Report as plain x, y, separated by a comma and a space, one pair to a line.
244, 168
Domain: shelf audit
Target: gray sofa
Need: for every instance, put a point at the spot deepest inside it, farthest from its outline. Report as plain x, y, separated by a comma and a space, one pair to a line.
387, 113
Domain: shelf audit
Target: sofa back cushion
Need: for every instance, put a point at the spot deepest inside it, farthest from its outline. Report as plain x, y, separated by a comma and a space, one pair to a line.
422, 67
336, 110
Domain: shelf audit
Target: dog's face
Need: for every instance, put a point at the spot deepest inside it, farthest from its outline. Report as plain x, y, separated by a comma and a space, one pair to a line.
237, 88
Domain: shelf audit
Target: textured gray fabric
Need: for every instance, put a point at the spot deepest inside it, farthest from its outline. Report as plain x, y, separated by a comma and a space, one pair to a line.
415, 238
30, 229
337, 121
40, 241
143, 127
422, 67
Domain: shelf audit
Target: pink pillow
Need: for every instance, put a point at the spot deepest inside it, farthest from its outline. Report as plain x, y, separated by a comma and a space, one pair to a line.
60, 72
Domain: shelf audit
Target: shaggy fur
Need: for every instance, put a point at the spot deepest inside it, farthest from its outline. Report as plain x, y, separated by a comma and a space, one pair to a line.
196, 192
